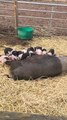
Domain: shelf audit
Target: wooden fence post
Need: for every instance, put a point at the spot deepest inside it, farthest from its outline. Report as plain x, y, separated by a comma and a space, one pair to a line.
16, 14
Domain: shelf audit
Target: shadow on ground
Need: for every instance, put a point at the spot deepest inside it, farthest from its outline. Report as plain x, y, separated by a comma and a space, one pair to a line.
20, 116
12, 40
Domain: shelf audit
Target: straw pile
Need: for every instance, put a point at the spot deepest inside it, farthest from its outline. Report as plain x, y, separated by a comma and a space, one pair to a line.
42, 96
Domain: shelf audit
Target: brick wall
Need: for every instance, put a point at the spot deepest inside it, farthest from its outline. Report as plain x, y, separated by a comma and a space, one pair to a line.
42, 26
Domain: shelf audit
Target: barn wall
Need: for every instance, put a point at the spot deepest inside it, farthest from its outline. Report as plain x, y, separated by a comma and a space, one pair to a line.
55, 26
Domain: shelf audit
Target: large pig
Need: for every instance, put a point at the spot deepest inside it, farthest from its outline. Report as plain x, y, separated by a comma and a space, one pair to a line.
38, 66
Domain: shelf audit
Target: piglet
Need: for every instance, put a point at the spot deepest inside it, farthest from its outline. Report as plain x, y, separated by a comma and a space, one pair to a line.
3, 59
38, 50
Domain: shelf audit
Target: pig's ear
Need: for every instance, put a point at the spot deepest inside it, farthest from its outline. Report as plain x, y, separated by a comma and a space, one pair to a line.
8, 62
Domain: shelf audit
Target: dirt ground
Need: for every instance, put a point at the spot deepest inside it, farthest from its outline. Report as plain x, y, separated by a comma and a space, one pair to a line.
41, 96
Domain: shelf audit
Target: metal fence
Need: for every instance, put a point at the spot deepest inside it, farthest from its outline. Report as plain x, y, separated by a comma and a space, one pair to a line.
57, 14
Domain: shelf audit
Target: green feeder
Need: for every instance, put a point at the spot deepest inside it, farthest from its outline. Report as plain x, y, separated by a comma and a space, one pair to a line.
25, 33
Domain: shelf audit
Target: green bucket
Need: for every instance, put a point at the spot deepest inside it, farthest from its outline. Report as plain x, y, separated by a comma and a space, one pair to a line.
25, 33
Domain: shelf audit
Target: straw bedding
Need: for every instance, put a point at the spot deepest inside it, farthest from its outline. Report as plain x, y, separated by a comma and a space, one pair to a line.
42, 96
